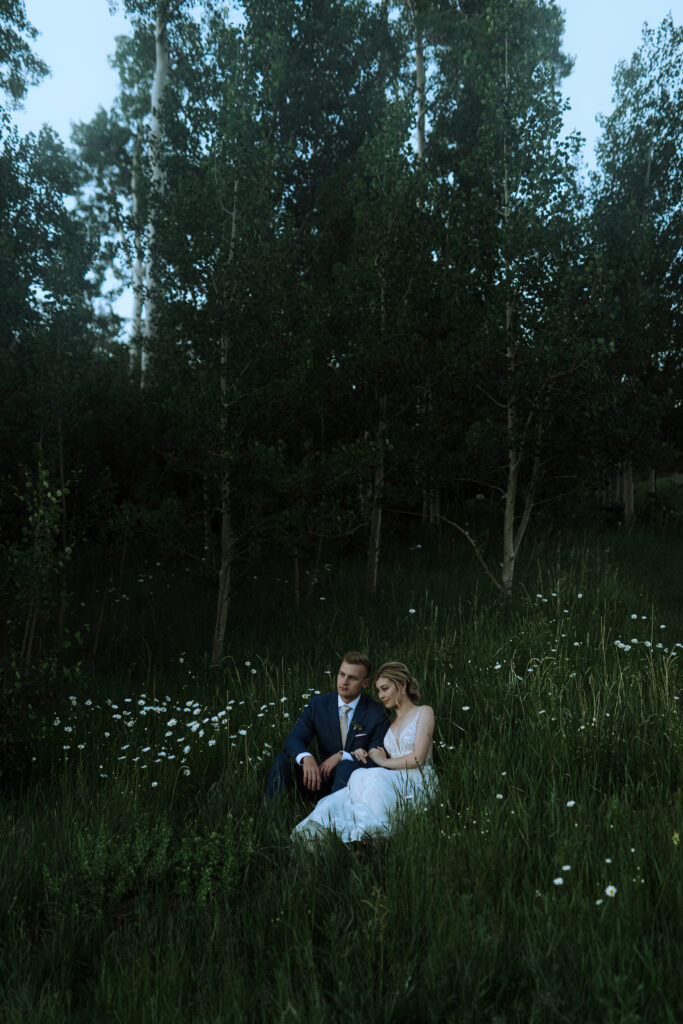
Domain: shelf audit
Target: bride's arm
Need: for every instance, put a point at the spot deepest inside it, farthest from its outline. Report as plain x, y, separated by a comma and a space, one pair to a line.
418, 755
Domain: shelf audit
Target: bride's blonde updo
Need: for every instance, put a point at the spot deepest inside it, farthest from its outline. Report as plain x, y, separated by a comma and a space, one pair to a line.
398, 673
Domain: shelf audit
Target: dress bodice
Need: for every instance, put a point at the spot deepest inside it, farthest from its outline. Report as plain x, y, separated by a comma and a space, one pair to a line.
406, 741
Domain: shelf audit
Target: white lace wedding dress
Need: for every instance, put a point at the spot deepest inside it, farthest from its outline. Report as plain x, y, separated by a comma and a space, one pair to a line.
370, 802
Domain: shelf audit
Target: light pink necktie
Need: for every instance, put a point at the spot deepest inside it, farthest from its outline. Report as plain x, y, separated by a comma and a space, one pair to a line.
344, 725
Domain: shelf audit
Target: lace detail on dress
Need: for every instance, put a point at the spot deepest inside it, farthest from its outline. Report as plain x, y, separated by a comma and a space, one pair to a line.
406, 743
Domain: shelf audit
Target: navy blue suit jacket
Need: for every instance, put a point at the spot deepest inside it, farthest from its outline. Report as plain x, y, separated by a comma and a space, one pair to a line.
320, 718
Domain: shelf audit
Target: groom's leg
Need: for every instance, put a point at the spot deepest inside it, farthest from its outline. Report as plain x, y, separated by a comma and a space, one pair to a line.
286, 773
279, 778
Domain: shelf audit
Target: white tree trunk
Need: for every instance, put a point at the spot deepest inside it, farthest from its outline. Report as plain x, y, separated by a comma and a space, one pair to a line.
420, 82
156, 168
138, 353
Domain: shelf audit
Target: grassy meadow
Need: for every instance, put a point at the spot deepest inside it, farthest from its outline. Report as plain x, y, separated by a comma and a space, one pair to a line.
145, 881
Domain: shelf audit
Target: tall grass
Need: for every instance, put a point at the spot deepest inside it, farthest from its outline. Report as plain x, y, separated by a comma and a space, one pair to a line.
558, 754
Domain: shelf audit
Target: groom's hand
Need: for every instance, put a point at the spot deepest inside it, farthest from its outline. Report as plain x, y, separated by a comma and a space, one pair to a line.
309, 766
328, 766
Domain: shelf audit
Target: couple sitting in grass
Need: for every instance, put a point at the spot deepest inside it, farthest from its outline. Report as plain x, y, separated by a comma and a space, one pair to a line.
370, 764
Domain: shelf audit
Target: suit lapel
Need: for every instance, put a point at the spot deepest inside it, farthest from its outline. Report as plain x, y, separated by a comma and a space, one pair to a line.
334, 715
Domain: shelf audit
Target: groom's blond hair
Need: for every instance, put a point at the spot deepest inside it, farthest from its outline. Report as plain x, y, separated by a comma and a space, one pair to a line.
356, 658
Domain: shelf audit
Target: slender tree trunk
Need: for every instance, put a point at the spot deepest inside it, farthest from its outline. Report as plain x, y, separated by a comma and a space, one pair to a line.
158, 88
297, 580
435, 507
430, 497
138, 353
225, 573
63, 592
207, 535
374, 548
421, 86
514, 454
156, 167
509, 551
529, 499
653, 482
375, 541
29, 633
227, 540
431, 506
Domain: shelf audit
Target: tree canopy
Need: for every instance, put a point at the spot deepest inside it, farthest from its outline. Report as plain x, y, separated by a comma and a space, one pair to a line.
371, 283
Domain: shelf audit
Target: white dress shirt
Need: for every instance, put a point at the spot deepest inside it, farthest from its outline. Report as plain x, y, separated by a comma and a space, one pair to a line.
340, 704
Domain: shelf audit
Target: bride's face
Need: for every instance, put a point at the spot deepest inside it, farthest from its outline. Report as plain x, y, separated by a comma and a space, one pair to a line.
387, 691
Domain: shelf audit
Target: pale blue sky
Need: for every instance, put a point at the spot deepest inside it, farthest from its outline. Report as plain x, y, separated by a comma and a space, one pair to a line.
78, 35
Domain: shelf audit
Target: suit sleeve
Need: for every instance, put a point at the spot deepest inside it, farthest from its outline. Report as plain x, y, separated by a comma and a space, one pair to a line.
378, 730
302, 733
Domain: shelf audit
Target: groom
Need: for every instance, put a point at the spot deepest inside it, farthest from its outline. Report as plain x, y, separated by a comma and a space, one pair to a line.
346, 725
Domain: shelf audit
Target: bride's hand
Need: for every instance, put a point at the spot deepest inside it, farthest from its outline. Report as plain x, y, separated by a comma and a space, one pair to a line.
378, 755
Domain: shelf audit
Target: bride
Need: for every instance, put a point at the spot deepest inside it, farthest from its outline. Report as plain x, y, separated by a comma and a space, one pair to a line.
368, 804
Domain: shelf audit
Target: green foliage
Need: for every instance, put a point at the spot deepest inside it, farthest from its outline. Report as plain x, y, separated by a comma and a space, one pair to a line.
211, 865
33, 562
34, 559
637, 267
111, 861
19, 66
106, 864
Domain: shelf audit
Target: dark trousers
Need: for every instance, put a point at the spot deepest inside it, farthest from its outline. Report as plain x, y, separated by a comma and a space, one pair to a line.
286, 773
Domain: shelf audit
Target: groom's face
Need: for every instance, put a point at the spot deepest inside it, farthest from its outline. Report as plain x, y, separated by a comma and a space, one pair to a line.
351, 679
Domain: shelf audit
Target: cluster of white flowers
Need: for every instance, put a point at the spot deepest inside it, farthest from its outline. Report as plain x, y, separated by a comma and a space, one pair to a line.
184, 729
